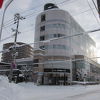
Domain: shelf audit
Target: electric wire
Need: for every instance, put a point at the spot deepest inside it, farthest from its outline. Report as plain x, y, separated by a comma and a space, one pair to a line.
7, 38
63, 2
11, 20
26, 11
32, 14
73, 16
95, 6
45, 41
59, 61
93, 12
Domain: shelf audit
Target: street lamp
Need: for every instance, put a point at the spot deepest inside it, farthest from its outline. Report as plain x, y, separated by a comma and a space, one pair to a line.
6, 6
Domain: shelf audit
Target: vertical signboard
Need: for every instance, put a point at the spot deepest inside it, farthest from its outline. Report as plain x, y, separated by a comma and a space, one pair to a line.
1, 2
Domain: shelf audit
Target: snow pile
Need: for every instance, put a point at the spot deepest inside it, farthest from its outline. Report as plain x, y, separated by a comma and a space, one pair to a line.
29, 91
7, 90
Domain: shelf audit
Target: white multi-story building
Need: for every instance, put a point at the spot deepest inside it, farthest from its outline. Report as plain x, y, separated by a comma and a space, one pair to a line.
61, 37
55, 23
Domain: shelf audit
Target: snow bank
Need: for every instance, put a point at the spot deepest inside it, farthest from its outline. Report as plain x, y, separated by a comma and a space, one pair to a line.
29, 91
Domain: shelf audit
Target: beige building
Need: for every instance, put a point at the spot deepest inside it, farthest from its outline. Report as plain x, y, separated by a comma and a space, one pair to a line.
25, 51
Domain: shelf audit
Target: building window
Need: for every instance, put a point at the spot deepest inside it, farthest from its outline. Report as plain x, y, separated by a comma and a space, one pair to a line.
35, 62
42, 28
56, 70
59, 35
53, 47
42, 47
42, 38
60, 26
54, 35
59, 46
43, 18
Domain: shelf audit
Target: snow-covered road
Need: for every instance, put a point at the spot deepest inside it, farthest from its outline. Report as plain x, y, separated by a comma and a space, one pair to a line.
29, 91
86, 96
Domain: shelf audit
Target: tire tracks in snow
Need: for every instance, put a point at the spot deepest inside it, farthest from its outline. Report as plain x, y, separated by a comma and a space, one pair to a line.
82, 95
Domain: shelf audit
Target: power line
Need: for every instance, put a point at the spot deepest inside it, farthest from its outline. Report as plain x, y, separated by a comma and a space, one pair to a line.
7, 38
60, 3
82, 33
39, 7
28, 11
14, 35
48, 40
58, 61
32, 14
67, 1
93, 12
29, 15
95, 6
29, 30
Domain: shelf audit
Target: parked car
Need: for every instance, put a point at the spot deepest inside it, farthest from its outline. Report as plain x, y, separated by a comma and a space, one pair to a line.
16, 76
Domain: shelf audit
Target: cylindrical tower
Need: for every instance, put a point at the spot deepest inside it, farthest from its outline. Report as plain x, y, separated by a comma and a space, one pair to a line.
53, 23
61, 37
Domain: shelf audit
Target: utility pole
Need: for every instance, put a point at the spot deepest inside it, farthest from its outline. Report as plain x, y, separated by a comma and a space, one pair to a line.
17, 19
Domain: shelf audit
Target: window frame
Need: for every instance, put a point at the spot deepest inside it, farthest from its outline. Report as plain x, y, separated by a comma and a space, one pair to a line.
43, 18
42, 28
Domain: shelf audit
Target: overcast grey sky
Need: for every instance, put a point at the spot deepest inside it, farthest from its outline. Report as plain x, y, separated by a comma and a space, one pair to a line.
81, 11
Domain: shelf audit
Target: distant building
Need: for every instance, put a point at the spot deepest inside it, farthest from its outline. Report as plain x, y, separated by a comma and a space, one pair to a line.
59, 65
23, 51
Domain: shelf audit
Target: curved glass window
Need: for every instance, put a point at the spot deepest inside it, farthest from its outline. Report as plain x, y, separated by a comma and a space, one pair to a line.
55, 35
58, 25
56, 20
48, 36
55, 46
42, 47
